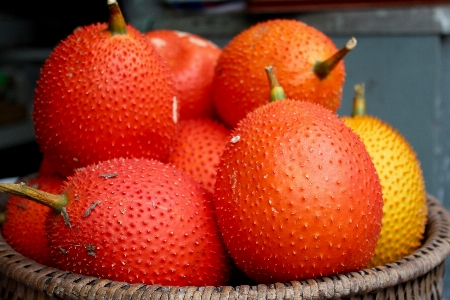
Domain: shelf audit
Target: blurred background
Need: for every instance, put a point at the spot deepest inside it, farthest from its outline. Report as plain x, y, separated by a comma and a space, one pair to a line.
402, 56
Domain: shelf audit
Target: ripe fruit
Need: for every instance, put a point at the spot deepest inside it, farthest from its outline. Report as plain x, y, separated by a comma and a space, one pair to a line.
401, 178
296, 194
307, 63
134, 220
24, 227
104, 92
197, 149
192, 59
46, 168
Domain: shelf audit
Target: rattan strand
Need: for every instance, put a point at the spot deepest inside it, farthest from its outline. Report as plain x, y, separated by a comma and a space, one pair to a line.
418, 276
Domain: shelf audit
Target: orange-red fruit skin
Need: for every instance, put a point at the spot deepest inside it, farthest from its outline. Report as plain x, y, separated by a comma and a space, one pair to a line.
197, 149
297, 195
192, 59
146, 222
24, 227
292, 48
101, 96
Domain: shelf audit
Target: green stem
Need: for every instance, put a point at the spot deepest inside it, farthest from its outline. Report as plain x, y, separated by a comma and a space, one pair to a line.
117, 23
276, 90
57, 202
323, 68
359, 101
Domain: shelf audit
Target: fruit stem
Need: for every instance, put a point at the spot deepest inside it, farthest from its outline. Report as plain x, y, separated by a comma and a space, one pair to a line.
117, 23
276, 90
323, 68
57, 202
359, 101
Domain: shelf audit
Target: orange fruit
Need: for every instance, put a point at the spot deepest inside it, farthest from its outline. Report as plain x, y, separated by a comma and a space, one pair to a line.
192, 59
197, 149
295, 51
297, 195
104, 92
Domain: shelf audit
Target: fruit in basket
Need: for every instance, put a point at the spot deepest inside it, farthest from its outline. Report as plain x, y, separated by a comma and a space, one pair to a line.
197, 149
24, 227
192, 59
134, 220
401, 178
308, 66
296, 194
104, 92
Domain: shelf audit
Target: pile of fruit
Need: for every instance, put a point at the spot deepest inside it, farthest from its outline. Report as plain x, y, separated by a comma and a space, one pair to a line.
167, 160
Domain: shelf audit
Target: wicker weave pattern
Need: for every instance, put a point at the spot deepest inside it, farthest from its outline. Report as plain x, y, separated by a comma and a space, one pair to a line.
418, 276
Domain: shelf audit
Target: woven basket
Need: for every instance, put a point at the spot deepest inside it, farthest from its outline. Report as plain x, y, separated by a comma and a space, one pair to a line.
417, 276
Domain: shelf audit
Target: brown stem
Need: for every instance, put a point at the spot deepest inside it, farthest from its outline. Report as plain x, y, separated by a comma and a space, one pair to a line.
276, 90
117, 23
359, 101
57, 202
322, 69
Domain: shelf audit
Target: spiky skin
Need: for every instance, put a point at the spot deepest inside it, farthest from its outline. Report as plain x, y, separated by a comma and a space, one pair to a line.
101, 96
404, 194
291, 48
24, 228
297, 195
197, 149
192, 59
146, 222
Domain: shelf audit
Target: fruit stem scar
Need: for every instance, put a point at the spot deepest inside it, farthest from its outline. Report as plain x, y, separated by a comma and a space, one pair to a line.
65, 216
90, 208
90, 250
323, 68
57, 202
107, 176
359, 101
276, 90
117, 23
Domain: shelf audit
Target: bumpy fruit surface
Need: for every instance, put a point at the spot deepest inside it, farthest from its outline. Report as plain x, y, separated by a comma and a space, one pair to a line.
192, 59
197, 149
297, 195
292, 48
403, 186
24, 228
101, 95
138, 220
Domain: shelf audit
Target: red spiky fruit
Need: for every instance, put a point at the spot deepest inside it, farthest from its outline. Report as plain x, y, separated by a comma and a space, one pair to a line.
307, 63
24, 227
192, 59
197, 149
135, 220
104, 92
297, 195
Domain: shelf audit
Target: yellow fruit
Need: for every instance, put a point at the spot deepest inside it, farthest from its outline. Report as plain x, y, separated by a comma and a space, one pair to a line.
401, 178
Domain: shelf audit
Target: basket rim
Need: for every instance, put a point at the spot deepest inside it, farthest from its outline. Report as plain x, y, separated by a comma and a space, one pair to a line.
55, 282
